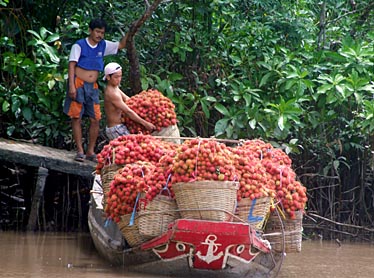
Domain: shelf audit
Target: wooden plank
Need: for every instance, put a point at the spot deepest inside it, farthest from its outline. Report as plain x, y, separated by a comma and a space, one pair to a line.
40, 156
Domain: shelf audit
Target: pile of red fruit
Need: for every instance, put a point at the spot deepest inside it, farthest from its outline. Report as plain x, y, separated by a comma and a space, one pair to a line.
125, 187
253, 178
153, 107
132, 148
145, 164
279, 178
260, 169
203, 159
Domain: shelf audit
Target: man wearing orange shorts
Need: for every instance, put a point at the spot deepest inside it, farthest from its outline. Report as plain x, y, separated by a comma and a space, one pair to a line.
82, 97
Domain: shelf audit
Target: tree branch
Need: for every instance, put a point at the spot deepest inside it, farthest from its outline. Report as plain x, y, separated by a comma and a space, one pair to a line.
341, 224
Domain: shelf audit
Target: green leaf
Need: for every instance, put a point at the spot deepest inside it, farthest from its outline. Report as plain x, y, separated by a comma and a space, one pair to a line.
229, 131
52, 38
222, 109
210, 98
24, 99
252, 123
10, 130
289, 84
27, 113
44, 32
265, 79
35, 34
52, 55
175, 76
205, 109
325, 87
281, 122
51, 84
340, 89
221, 126
5, 106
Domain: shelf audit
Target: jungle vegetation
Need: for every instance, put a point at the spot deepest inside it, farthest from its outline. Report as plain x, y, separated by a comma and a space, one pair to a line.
296, 73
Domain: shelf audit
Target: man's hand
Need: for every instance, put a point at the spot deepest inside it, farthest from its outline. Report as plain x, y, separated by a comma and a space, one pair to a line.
73, 93
149, 126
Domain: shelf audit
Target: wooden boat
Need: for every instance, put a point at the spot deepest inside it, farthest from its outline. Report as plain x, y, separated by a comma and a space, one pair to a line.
189, 248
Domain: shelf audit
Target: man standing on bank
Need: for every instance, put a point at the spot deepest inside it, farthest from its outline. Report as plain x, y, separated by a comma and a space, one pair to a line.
82, 98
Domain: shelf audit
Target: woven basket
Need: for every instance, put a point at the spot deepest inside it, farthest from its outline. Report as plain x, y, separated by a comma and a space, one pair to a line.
156, 215
107, 175
206, 200
292, 232
254, 211
131, 233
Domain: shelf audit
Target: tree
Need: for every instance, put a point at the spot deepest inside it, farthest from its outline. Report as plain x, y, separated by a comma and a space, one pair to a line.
132, 55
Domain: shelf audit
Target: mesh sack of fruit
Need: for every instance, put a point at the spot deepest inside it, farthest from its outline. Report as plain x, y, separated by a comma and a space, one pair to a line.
152, 106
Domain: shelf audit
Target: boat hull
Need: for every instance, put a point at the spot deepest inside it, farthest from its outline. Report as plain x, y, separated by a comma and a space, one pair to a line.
189, 248
111, 246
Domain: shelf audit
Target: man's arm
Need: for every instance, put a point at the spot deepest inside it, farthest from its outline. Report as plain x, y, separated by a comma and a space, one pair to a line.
123, 41
117, 102
71, 76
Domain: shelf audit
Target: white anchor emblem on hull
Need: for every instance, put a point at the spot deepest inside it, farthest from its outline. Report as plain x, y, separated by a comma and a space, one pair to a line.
212, 248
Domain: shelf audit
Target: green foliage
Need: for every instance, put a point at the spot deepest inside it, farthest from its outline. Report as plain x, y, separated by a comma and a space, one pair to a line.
4, 3
32, 102
234, 69
298, 74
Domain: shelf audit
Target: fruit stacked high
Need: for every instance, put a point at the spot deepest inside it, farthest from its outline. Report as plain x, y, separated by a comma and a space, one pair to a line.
153, 107
151, 166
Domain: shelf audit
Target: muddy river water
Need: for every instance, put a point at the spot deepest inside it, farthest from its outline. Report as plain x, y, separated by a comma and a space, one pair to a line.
60, 255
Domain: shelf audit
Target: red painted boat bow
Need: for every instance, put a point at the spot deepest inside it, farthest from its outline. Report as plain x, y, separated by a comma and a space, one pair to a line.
208, 244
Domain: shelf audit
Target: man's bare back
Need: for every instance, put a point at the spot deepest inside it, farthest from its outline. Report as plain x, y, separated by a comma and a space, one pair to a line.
115, 101
113, 98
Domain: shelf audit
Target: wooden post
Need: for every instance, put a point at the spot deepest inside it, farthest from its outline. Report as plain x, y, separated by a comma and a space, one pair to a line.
38, 194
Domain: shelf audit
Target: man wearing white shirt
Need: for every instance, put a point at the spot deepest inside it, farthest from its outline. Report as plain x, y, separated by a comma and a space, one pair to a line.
82, 97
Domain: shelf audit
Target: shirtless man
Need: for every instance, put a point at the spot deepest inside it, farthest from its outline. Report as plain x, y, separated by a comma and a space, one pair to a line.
82, 97
115, 104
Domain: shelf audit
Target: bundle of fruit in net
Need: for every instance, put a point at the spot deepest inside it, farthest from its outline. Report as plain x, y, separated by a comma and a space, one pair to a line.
281, 178
127, 184
289, 191
158, 207
204, 180
254, 195
131, 148
152, 106
159, 183
253, 177
203, 159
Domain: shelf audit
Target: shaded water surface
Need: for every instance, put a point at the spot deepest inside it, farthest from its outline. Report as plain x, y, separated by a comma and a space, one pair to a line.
73, 255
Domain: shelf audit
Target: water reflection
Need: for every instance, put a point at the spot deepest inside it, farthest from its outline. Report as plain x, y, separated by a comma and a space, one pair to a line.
327, 259
53, 255
45, 255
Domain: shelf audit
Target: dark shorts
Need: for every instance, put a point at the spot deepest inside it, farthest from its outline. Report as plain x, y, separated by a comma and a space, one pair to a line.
116, 131
86, 103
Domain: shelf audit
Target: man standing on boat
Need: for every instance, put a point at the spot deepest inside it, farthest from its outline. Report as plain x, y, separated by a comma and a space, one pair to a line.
86, 60
115, 104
